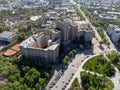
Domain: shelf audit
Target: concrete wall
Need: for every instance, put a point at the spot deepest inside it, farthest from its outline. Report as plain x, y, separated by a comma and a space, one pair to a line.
74, 30
110, 30
54, 55
39, 42
113, 32
115, 37
44, 55
88, 35
80, 34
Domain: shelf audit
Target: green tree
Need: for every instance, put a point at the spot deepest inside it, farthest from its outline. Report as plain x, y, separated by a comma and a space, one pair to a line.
21, 36
25, 69
71, 54
41, 81
81, 47
21, 27
65, 60
47, 75
31, 77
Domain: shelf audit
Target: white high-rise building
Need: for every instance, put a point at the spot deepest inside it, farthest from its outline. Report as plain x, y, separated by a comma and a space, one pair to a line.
114, 32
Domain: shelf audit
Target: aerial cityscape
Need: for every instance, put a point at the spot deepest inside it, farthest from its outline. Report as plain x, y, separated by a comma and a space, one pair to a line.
60, 44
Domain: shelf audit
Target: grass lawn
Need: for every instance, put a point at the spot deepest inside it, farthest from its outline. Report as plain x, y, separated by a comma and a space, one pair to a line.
93, 82
75, 84
99, 65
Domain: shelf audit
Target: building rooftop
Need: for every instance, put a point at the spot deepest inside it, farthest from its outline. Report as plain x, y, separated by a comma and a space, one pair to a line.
108, 16
71, 10
81, 22
34, 18
27, 42
31, 42
116, 13
113, 26
53, 47
6, 34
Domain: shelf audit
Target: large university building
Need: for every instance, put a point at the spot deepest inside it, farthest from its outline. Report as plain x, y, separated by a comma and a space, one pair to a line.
45, 46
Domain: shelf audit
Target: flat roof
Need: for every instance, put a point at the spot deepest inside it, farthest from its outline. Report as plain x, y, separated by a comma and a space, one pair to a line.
31, 39
109, 12
34, 18
6, 34
27, 42
53, 47
81, 22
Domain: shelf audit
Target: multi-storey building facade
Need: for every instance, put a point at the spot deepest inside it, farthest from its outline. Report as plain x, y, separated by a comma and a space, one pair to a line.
45, 46
72, 30
114, 32
40, 47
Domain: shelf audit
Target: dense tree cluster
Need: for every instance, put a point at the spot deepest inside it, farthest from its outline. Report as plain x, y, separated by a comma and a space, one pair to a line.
18, 77
101, 33
66, 59
4, 27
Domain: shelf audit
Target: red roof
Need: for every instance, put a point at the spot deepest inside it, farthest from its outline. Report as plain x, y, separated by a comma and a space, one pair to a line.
9, 52
16, 47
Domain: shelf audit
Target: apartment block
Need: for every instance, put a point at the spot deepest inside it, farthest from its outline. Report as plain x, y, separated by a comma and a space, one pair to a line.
114, 33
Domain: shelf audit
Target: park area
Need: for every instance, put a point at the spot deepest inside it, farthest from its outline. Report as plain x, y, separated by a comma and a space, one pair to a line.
99, 64
94, 82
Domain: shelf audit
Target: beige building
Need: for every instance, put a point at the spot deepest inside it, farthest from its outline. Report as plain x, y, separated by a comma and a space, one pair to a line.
71, 30
82, 24
45, 46
84, 31
40, 47
68, 31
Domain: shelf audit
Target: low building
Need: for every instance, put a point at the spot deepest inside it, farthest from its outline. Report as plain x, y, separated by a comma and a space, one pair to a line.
108, 16
55, 2
7, 37
113, 13
52, 15
28, 1
35, 18
114, 33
